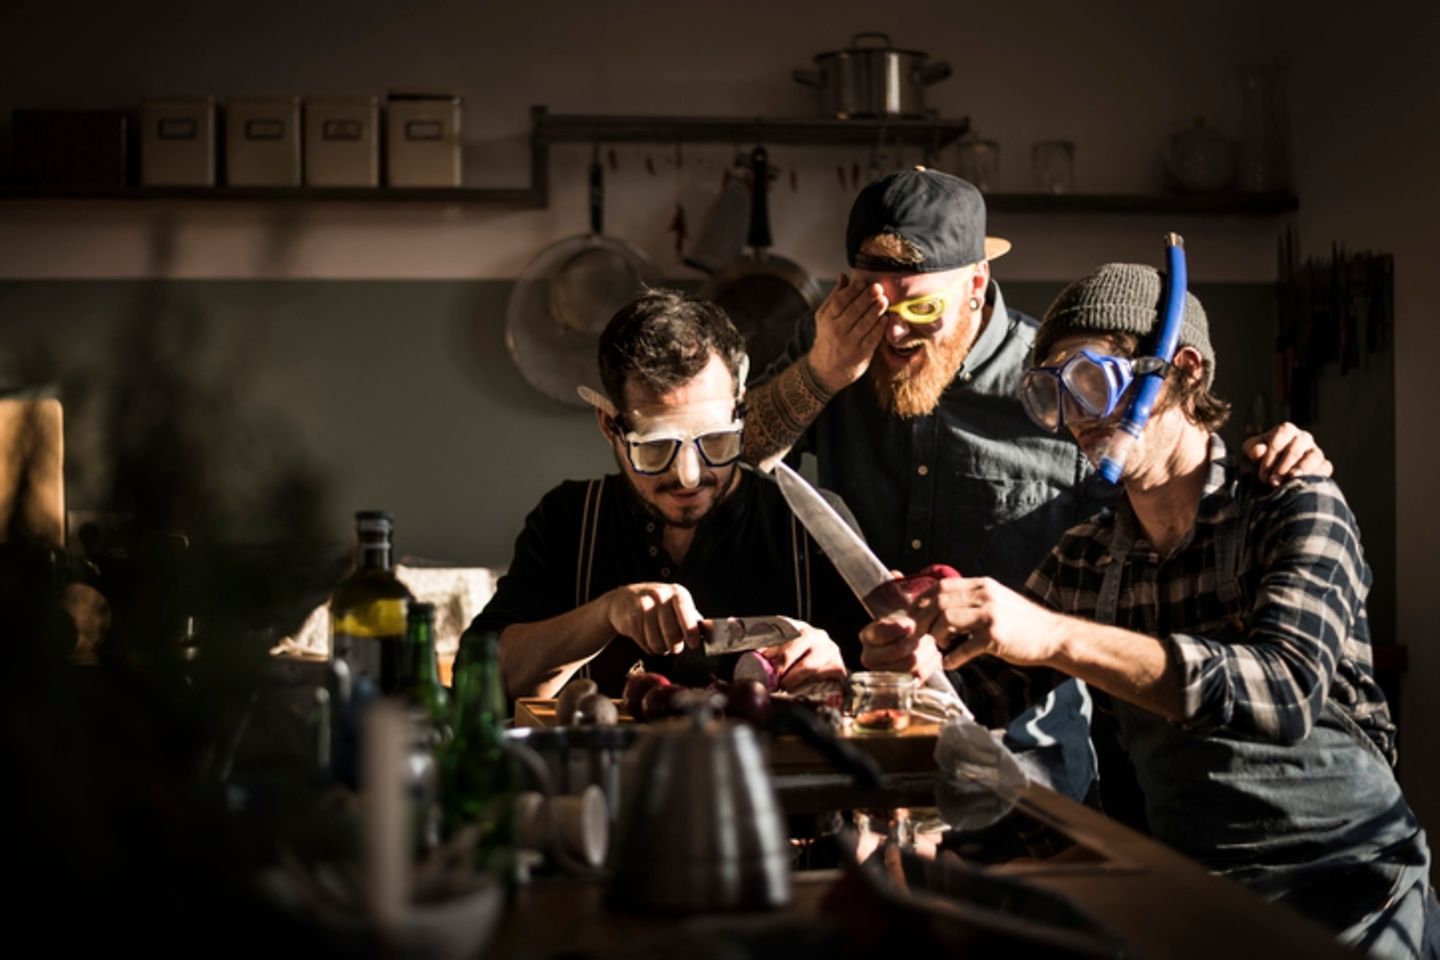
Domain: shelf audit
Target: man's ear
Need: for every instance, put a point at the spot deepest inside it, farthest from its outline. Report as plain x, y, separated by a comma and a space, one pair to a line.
980, 280
601, 418
1190, 362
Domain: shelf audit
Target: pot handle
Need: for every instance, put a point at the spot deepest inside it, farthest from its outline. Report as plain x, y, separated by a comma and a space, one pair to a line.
759, 237
932, 72
597, 197
871, 35
808, 78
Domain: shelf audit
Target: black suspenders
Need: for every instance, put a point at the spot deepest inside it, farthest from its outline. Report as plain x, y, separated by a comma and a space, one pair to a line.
589, 532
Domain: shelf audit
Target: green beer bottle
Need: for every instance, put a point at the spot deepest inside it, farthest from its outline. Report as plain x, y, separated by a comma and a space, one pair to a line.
422, 687
367, 610
480, 777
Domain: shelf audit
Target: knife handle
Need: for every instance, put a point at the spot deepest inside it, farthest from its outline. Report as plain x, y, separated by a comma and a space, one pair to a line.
894, 596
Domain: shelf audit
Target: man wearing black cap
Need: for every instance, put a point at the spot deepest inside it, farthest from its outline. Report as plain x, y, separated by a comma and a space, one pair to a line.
931, 450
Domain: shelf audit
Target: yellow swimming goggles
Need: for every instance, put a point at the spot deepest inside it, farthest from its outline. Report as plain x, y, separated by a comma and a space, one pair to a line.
929, 307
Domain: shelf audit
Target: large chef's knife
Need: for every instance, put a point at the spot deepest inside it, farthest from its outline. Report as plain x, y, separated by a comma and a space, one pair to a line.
880, 592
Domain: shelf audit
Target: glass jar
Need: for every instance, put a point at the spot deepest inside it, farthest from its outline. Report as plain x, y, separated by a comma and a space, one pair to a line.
880, 702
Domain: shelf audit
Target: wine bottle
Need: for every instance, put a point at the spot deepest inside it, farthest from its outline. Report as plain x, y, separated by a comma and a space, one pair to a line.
367, 610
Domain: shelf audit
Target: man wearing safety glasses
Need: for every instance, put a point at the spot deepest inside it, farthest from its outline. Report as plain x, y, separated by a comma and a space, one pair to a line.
905, 386
1224, 621
612, 571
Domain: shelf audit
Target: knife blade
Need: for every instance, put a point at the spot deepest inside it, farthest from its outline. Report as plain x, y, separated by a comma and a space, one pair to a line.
879, 592
739, 634
877, 589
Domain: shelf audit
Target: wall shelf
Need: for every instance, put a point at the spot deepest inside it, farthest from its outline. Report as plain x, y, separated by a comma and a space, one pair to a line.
546, 128
516, 197
932, 134
1168, 204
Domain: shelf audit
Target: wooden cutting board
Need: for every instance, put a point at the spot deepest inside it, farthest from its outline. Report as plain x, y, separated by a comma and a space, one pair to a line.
911, 750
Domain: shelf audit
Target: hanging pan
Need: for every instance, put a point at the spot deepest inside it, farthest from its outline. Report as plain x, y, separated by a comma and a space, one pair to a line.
565, 297
764, 294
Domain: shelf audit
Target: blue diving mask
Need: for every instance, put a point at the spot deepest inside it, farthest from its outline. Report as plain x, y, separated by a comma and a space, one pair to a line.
1087, 385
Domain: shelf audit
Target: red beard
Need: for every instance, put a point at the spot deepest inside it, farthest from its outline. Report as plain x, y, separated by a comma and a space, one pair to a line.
915, 392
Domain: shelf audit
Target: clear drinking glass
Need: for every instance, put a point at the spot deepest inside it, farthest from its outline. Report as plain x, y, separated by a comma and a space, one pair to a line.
1054, 162
1265, 139
979, 162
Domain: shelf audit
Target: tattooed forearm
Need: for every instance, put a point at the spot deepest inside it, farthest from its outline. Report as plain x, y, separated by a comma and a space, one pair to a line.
781, 410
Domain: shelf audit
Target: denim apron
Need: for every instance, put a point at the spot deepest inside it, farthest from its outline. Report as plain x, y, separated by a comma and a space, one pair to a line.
1319, 825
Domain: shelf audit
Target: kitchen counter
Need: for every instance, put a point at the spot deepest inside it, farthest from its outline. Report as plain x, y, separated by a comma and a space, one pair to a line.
1111, 891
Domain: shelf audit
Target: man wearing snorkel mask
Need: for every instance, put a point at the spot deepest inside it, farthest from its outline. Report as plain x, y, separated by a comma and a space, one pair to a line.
905, 386
616, 570
1223, 620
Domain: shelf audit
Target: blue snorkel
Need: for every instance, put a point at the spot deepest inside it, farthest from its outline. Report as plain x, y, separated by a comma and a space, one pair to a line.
1147, 385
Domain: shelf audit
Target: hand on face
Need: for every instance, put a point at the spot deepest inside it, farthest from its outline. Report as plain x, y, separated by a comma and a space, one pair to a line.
1285, 452
659, 617
848, 327
809, 657
965, 618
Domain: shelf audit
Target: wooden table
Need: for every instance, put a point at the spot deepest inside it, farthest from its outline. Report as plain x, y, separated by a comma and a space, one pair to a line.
1154, 901
911, 750
1135, 893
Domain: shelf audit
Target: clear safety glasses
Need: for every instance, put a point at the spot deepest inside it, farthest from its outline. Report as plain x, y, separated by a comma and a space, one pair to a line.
653, 453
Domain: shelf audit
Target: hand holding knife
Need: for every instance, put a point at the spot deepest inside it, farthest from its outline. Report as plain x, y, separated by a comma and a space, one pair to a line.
879, 591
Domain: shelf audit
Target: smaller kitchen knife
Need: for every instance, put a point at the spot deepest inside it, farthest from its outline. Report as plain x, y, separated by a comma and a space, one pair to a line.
739, 634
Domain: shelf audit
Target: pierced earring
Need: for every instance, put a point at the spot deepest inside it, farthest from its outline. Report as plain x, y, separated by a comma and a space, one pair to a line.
974, 303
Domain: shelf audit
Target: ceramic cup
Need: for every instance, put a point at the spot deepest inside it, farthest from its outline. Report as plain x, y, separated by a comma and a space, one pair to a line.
582, 824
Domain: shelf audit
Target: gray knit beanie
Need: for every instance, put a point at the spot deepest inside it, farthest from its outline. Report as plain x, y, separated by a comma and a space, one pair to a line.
1121, 298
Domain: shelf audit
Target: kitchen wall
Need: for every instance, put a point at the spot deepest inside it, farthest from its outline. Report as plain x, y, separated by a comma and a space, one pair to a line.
309, 302
1365, 160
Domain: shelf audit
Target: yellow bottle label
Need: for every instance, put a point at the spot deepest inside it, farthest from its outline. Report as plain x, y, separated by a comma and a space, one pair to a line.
378, 618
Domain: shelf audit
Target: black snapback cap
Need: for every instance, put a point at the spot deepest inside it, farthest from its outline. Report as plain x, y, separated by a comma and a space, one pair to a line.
940, 214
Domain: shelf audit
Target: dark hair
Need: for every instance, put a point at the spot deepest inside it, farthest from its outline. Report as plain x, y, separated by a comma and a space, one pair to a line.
663, 339
1200, 406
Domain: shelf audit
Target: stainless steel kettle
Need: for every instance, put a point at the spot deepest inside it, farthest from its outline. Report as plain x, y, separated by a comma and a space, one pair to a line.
701, 828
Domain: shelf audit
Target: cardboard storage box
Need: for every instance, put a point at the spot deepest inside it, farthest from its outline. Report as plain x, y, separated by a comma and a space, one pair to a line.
342, 143
262, 141
422, 139
177, 142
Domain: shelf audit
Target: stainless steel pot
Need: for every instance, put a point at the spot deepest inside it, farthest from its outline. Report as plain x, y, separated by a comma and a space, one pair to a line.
873, 80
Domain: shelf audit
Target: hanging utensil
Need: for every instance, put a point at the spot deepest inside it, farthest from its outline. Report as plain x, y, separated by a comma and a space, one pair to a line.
566, 296
764, 294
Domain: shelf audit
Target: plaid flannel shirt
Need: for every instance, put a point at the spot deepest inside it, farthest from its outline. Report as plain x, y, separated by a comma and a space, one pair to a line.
1263, 666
